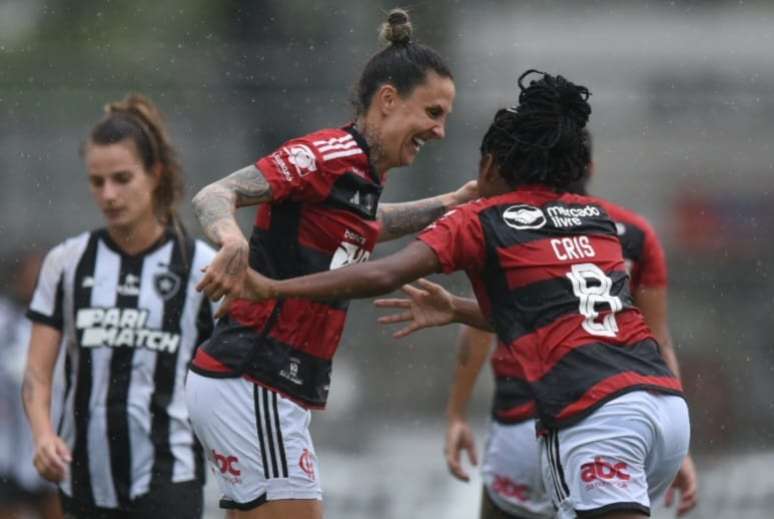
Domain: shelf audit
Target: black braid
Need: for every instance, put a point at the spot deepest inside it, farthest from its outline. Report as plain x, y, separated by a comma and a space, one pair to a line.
540, 141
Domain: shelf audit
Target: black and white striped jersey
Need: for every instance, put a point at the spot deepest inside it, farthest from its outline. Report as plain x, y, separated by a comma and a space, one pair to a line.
130, 324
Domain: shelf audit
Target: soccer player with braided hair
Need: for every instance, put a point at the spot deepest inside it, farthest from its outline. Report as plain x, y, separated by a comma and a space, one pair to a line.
510, 463
550, 280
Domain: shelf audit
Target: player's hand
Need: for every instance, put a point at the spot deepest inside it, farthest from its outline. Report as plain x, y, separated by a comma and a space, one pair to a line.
52, 457
225, 276
459, 438
428, 305
466, 193
686, 483
256, 287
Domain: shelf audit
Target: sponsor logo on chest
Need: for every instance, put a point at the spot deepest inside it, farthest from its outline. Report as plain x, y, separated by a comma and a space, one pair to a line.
116, 327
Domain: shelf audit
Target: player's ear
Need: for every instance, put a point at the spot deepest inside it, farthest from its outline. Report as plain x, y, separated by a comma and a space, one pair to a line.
487, 168
385, 99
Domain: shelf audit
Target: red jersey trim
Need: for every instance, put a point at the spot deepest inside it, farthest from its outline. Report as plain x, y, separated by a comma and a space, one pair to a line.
518, 413
208, 363
616, 383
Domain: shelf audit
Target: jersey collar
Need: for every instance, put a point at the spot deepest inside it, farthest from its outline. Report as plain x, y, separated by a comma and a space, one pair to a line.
112, 245
361, 141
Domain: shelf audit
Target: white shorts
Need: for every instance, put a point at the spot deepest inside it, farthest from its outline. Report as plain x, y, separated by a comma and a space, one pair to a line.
511, 471
256, 441
621, 457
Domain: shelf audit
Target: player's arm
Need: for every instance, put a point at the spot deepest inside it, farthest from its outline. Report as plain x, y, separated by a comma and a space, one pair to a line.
405, 218
51, 453
652, 302
215, 206
355, 281
429, 304
472, 351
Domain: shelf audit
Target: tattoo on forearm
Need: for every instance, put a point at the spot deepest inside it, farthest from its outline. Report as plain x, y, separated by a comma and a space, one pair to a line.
214, 205
409, 217
249, 185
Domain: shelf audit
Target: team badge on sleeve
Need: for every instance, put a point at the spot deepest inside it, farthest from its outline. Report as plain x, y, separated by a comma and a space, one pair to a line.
302, 158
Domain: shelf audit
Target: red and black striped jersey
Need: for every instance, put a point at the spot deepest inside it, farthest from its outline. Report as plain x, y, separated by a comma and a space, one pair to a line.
322, 216
548, 271
642, 251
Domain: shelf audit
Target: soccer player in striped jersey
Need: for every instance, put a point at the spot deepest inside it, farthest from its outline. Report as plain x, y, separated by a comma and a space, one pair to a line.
122, 301
510, 465
267, 364
550, 279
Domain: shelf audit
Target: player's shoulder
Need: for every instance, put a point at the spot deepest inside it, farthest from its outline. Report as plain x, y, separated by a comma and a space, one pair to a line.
332, 148
67, 251
619, 213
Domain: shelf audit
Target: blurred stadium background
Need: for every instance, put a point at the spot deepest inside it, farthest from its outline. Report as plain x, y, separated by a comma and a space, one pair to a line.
683, 122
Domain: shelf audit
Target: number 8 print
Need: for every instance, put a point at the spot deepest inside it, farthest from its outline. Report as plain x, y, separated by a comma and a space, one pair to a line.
592, 295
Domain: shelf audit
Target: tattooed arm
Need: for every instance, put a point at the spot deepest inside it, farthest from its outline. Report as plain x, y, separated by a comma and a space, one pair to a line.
215, 206
474, 347
51, 453
410, 217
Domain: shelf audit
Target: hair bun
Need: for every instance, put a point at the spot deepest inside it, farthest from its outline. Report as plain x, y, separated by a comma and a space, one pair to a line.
397, 30
137, 105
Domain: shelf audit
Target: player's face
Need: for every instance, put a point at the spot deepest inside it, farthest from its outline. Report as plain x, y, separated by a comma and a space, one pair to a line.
120, 184
414, 120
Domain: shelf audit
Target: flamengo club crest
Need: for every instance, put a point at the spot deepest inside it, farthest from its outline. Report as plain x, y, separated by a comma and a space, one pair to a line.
306, 463
166, 284
302, 158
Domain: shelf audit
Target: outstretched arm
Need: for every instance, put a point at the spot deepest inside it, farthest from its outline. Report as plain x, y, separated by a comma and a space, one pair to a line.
352, 282
429, 304
472, 352
215, 206
410, 217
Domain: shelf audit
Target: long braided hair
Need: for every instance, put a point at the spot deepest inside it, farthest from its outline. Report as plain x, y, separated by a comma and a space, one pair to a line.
541, 140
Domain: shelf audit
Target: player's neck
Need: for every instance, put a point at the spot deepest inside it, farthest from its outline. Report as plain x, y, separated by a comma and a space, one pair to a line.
375, 152
138, 237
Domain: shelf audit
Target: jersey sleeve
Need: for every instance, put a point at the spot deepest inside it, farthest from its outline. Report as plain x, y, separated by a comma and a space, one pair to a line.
653, 267
207, 308
297, 171
457, 239
47, 300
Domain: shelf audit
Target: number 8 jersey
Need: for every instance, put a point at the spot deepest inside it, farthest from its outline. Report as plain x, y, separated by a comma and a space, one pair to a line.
548, 272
